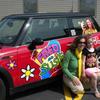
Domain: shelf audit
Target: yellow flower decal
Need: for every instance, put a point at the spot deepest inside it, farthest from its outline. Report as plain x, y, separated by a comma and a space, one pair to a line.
27, 73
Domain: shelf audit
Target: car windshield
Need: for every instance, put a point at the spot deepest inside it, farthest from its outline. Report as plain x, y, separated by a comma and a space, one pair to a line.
9, 29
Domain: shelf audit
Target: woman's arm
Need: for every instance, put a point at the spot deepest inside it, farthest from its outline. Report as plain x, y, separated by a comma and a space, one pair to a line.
83, 65
65, 65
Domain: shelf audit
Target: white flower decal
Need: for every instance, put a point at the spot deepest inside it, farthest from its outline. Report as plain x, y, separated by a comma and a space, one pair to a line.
27, 73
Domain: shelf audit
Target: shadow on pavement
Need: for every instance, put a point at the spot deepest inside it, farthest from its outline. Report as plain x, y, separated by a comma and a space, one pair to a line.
53, 91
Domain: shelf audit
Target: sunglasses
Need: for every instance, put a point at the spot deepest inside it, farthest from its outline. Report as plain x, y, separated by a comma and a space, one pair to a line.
89, 42
82, 42
92, 55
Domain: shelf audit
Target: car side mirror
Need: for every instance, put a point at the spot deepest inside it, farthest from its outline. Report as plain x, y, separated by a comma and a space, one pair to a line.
34, 43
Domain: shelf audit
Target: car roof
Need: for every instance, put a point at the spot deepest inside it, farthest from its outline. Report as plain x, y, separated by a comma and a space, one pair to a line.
67, 14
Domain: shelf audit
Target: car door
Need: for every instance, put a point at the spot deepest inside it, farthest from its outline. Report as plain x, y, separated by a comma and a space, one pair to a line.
43, 62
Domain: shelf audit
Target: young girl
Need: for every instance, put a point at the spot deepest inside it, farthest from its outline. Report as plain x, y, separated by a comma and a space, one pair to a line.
90, 65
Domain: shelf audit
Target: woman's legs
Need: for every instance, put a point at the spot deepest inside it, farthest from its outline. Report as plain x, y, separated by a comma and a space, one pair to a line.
75, 89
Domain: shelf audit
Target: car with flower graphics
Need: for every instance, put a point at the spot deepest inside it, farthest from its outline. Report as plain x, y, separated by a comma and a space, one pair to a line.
32, 47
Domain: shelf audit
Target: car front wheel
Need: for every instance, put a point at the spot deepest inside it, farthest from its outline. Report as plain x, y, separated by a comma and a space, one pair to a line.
2, 90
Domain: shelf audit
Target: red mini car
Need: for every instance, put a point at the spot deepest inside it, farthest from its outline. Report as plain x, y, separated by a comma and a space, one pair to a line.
32, 47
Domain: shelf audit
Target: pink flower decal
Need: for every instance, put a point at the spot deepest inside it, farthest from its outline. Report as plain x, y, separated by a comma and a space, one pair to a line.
12, 64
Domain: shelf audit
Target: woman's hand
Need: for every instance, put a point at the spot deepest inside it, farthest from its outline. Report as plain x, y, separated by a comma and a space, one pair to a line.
76, 81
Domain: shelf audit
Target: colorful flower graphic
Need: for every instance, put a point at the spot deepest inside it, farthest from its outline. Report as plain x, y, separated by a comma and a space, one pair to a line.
27, 73
12, 64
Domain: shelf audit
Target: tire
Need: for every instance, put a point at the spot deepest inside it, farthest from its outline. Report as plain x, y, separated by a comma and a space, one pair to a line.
2, 90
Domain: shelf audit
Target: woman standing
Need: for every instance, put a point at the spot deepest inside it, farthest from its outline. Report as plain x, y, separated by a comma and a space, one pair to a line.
90, 27
72, 65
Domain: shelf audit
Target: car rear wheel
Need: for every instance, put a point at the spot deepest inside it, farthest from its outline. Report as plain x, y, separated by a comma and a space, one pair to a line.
2, 90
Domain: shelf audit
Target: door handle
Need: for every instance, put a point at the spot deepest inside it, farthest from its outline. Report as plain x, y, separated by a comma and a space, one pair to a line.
6, 57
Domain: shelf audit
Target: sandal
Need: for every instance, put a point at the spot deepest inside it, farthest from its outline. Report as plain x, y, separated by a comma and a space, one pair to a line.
97, 94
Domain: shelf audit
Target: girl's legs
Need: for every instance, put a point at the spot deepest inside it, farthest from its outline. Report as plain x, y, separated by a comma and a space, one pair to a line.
94, 75
93, 80
95, 70
98, 75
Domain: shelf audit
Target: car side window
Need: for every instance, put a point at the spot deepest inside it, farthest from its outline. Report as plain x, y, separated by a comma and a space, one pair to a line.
46, 29
76, 26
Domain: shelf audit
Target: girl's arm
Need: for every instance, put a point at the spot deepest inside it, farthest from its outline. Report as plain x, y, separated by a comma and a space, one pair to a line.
97, 65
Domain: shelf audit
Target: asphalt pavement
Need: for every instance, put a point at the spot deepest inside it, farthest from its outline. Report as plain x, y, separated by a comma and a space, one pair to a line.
54, 91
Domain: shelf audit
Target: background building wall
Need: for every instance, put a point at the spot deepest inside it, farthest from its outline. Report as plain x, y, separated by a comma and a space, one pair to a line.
97, 14
10, 7
57, 5
28, 6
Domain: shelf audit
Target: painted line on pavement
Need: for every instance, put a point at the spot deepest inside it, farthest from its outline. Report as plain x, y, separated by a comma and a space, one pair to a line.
79, 96
67, 94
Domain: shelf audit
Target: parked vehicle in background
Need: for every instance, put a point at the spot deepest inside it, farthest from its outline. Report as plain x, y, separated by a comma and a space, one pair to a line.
32, 47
